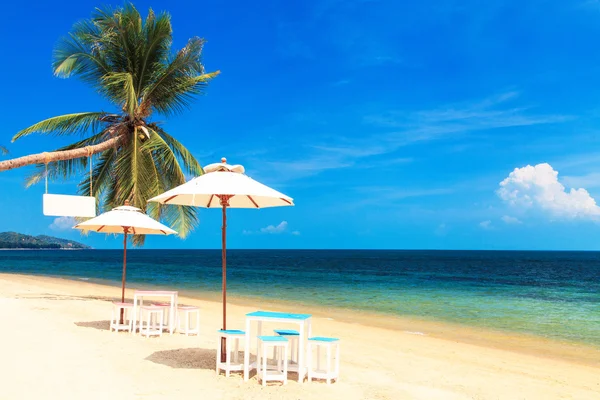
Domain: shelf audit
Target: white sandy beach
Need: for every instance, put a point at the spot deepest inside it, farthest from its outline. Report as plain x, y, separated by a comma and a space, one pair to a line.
56, 345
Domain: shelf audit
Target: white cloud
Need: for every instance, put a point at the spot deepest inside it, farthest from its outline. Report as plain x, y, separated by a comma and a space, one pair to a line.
63, 224
510, 220
289, 170
282, 227
408, 127
489, 113
485, 224
383, 134
392, 163
355, 151
388, 195
379, 193
537, 187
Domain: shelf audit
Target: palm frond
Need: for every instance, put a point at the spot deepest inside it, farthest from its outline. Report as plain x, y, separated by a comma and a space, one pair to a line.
156, 46
174, 85
176, 94
101, 177
80, 53
119, 87
166, 159
123, 29
149, 183
134, 180
190, 164
65, 125
124, 185
170, 175
3, 150
183, 219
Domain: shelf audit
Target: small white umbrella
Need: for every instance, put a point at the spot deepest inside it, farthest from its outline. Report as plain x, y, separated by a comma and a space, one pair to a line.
224, 186
125, 220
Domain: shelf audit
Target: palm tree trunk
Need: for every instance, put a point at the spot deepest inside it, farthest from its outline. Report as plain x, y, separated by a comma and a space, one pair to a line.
48, 157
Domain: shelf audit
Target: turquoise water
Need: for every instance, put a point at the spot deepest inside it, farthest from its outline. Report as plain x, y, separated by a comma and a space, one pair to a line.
550, 294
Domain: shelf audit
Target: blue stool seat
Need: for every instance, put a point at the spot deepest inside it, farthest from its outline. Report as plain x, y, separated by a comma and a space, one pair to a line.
272, 338
323, 339
286, 332
232, 331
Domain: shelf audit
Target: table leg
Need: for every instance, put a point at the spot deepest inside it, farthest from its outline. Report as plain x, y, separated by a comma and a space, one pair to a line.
258, 333
140, 316
172, 315
302, 353
309, 335
134, 314
246, 352
176, 306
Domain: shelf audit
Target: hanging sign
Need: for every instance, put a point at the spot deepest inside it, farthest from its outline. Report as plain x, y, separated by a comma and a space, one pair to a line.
60, 205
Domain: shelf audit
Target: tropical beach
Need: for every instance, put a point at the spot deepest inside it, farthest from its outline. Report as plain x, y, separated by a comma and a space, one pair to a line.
79, 358
300, 200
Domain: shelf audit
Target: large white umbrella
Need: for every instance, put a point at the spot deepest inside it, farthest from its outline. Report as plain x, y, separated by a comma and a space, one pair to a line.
224, 186
125, 220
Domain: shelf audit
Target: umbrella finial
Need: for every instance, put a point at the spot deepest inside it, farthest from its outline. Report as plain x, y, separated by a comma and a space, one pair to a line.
126, 202
223, 160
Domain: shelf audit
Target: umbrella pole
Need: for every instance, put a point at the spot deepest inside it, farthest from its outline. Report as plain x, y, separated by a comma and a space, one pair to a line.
124, 271
224, 288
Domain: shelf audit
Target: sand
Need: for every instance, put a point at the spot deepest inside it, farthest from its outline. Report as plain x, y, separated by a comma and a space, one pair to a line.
55, 344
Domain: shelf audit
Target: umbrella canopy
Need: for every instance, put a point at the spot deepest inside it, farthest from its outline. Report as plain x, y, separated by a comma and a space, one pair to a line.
125, 220
224, 181
224, 186
120, 218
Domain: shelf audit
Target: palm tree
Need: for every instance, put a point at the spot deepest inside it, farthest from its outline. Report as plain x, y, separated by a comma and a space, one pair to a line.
129, 61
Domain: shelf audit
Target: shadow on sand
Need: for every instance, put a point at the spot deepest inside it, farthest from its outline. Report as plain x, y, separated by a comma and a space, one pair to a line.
195, 358
191, 358
101, 325
50, 296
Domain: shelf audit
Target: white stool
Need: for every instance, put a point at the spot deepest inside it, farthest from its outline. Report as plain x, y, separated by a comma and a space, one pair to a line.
115, 321
327, 373
154, 320
280, 348
292, 336
235, 336
183, 314
166, 314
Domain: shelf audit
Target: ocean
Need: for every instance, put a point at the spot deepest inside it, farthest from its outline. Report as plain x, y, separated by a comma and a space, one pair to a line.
551, 294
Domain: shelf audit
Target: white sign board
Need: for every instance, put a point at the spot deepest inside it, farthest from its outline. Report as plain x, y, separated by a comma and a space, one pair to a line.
60, 205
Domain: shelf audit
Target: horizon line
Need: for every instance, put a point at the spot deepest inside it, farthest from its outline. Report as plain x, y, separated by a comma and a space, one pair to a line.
344, 249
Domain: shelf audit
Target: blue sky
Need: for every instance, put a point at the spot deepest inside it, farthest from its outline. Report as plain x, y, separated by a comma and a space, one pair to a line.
391, 123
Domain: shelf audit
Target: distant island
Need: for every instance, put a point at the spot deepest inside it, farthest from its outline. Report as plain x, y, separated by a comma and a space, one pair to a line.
14, 240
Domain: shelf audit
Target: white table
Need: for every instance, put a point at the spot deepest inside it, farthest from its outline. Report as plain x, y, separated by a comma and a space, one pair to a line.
302, 320
139, 295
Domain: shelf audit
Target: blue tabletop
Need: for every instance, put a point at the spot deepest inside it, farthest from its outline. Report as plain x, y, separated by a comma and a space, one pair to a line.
272, 338
269, 314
